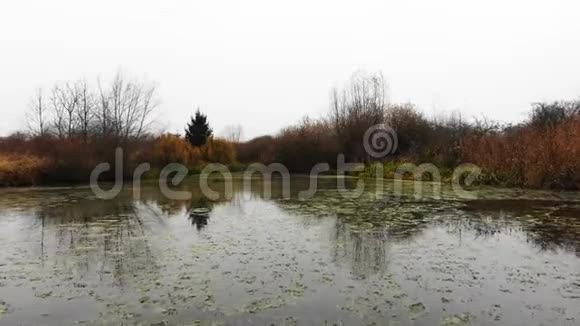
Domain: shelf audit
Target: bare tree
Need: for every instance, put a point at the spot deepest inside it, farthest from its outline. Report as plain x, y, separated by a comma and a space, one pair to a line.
132, 103
103, 112
36, 117
359, 106
59, 122
66, 101
86, 109
121, 110
233, 133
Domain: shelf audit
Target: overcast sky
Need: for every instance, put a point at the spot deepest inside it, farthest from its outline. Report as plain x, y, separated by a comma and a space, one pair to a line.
265, 64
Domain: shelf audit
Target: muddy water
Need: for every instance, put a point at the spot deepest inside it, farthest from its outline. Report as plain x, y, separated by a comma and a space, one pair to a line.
509, 257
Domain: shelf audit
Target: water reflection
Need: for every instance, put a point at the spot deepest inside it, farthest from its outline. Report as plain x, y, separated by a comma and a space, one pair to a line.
95, 241
199, 217
114, 233
365, 252
328, 249
548, 225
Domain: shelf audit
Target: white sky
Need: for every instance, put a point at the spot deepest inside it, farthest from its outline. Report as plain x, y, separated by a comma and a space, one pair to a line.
265, 64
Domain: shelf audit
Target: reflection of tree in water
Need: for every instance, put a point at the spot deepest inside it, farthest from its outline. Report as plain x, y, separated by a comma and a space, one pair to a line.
95, 239
197, 209
199, 217
199, 212
548, 225
365, 251
92, 240
365, 227
557, 227
554, 236
364, 242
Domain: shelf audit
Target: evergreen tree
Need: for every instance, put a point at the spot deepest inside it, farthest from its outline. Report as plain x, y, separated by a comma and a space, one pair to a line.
198, 130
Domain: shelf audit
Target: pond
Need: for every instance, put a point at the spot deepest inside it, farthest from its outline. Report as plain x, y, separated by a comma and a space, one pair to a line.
507, 257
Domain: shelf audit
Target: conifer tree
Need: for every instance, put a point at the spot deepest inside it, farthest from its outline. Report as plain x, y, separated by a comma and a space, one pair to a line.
198, 130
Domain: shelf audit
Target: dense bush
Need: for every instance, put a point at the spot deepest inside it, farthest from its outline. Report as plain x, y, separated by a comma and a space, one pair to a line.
71, 159
170, 148
218, 150
543, 152
301, 147
20, 170
530, 156
260, 149
413, 130
29, 160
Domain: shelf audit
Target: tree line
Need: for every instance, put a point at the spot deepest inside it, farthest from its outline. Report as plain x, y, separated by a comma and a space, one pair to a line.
541, 152
74, 126
120, 110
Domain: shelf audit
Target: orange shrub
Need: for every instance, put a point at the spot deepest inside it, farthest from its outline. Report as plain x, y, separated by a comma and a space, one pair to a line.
170, 148
218, 150
71, 159
20, 170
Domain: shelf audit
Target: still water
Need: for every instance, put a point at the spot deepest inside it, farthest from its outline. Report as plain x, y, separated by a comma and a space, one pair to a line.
509, 257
